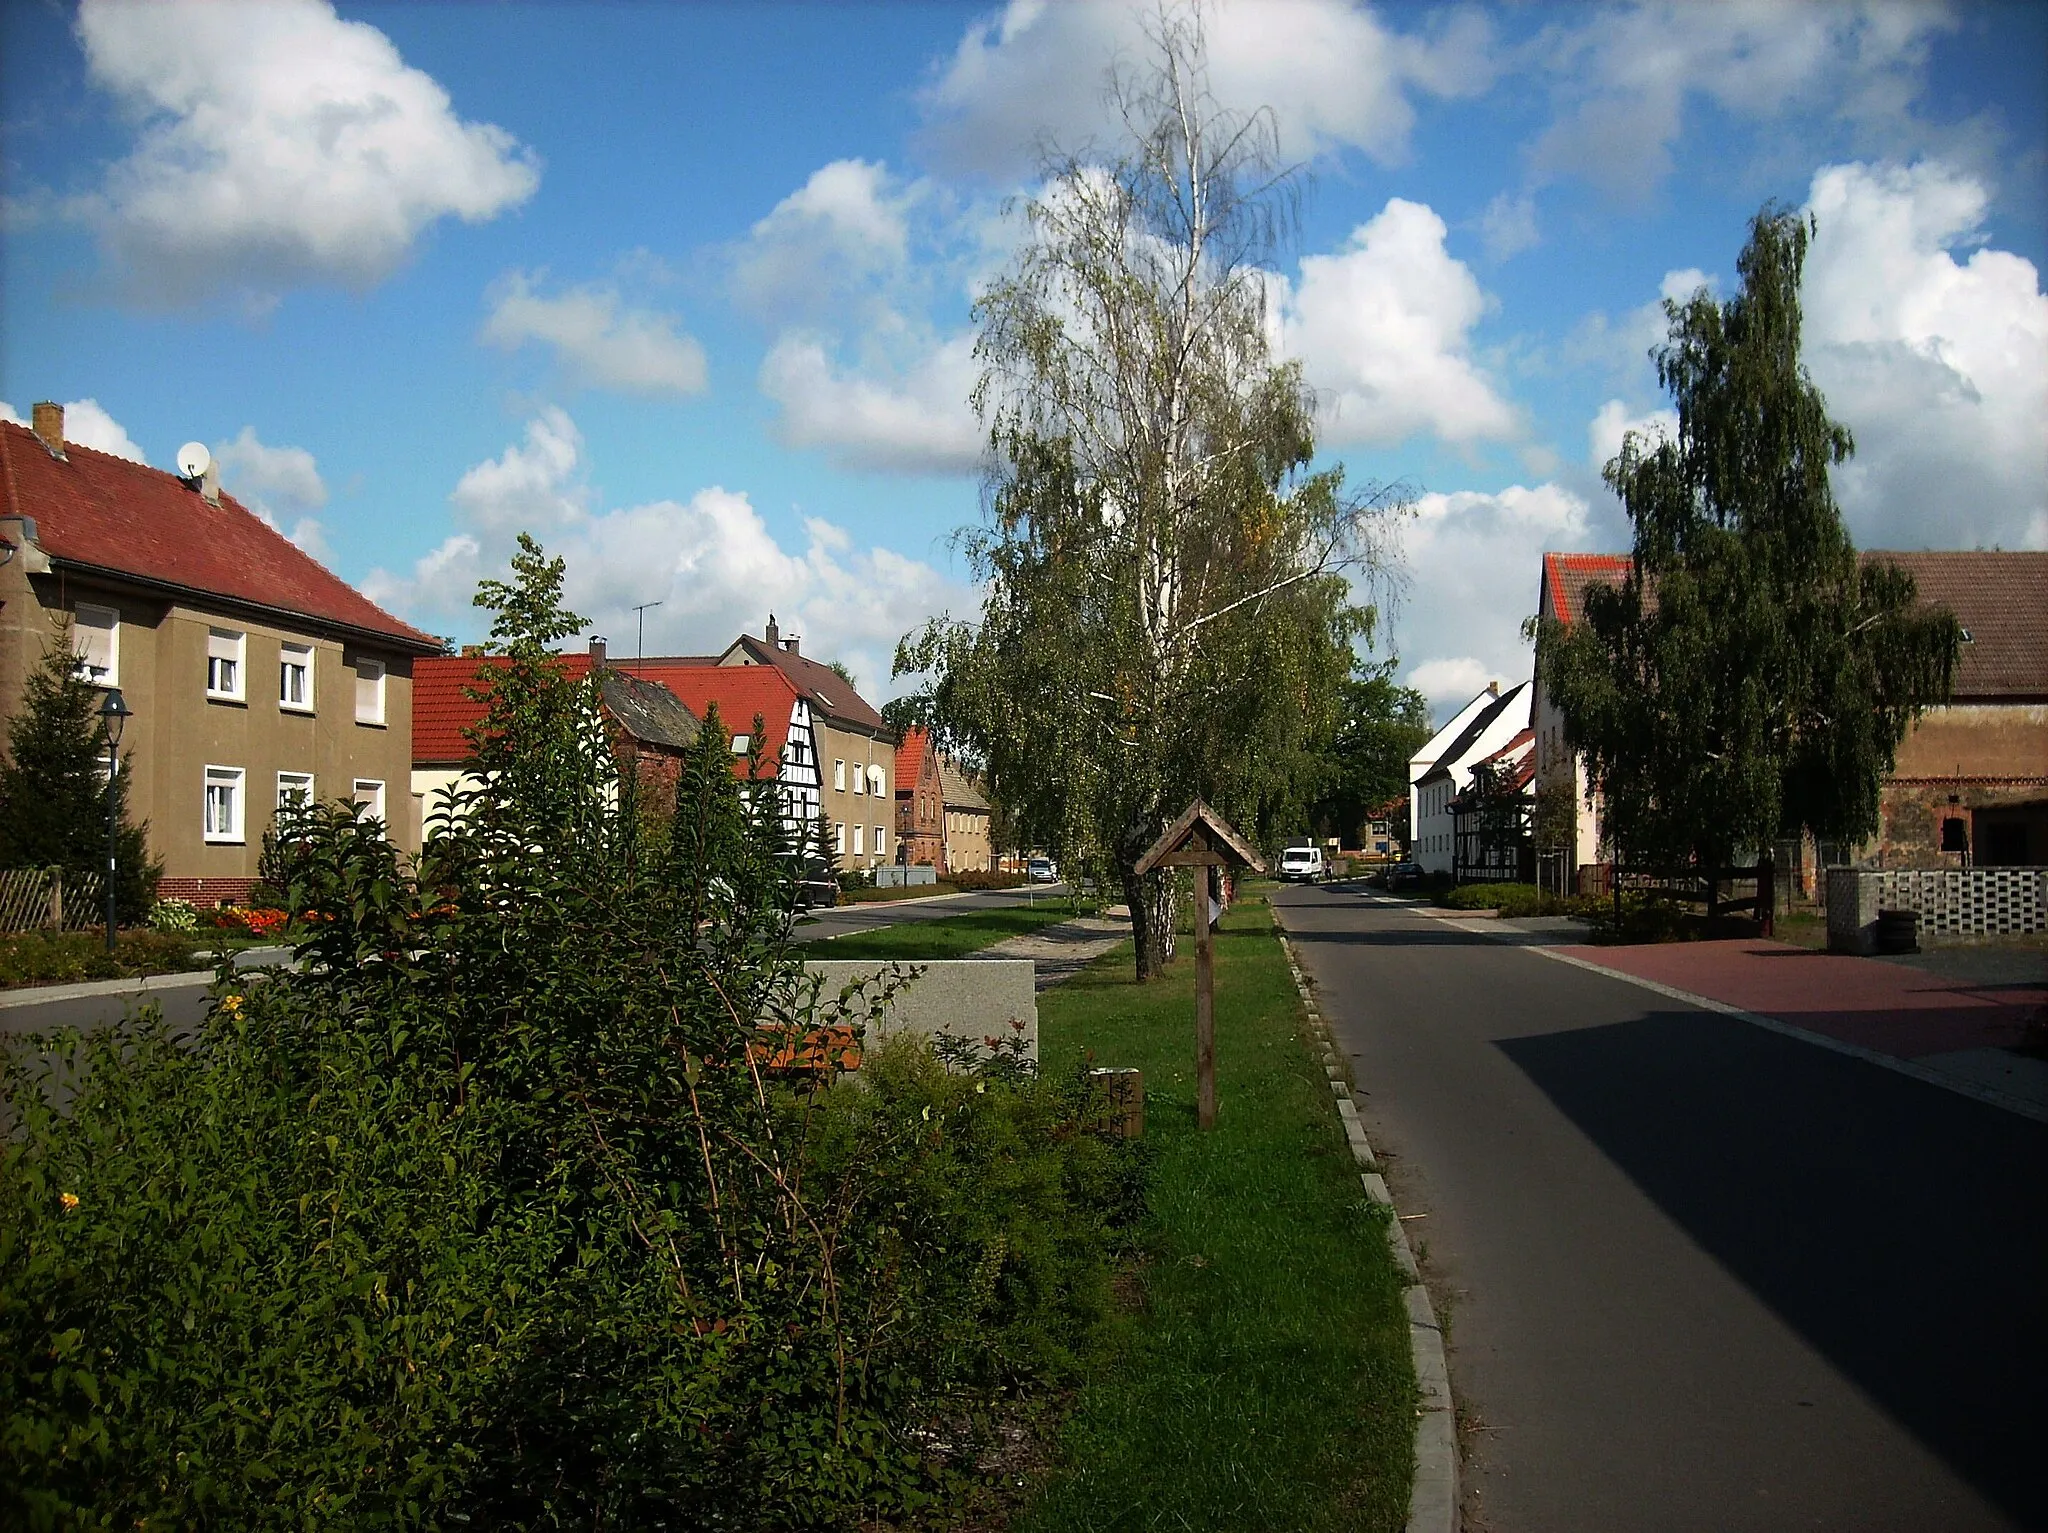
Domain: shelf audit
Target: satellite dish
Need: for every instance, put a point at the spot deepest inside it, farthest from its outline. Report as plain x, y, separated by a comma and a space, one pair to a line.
193, 460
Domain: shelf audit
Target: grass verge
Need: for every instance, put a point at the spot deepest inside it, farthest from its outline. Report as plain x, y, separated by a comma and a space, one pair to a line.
953, 937
1264, 1379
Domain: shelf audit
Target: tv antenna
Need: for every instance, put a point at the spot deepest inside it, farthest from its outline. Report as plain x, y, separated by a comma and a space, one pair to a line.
640, 644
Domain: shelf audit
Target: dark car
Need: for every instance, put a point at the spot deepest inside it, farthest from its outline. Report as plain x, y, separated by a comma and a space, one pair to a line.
1404, 874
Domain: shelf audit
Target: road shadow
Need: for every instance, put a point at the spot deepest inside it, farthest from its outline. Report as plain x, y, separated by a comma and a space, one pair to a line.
1901, 1229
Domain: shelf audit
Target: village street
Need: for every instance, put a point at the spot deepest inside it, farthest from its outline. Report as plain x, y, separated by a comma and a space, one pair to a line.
1696, 1274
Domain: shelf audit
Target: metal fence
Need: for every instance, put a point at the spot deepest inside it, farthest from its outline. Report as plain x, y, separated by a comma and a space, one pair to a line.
51, 897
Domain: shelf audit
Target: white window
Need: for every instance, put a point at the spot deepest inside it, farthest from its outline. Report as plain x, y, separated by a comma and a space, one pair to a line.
881, 847
839, 839
741, 745
295, 677
860, 781
369, 800
856, 840
294, 788
875, 781
838, 777
369, 691
96, 638
224, 651
223, 815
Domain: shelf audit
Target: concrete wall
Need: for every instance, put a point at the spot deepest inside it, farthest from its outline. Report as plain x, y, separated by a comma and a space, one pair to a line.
1980, 902
968, 998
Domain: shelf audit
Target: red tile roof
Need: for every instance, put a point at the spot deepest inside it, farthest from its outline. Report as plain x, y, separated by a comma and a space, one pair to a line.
910, 759
1567, 576
440, 711
95, 511
738, 691
826, 689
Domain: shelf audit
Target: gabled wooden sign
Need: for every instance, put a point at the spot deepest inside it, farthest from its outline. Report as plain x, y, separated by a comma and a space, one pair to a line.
1202, 838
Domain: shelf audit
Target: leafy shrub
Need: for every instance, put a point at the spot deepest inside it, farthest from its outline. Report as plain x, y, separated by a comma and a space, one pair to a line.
1515, 900
498, 1211
856, 878
59, 958
985, 880
173, 916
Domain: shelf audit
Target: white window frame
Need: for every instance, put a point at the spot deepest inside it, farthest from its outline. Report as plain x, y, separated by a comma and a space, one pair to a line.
227, 647
291, 657
377, 674
838, 777
839, 839
876, 785
294, 787
741, 744
234, 783
860, 779
108, 675
881, 841
858, 835
374, 804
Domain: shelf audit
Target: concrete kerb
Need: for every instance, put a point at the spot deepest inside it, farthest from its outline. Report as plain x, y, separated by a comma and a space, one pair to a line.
1433, 1498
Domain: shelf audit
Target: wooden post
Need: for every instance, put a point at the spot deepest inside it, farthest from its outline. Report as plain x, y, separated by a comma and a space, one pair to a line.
57, 898
1767, 894
1205, 1007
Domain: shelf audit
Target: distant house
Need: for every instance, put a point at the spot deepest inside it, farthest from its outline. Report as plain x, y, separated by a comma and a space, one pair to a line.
1571, 841
920, 803
970, 843
1491, 819
1970, 784
256, 676
1442, 769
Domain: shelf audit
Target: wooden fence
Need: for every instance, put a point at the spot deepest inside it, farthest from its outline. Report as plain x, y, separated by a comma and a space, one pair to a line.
1700, 886
50, 897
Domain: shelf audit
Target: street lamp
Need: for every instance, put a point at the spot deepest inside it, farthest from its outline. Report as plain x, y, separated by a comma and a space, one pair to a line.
114, 713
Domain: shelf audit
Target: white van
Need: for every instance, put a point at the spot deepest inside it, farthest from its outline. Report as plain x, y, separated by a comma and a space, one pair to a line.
1302, 863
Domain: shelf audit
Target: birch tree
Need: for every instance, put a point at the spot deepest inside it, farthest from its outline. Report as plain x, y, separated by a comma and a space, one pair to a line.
1169, 608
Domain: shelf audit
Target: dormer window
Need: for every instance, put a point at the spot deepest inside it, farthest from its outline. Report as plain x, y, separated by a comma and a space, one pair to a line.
96, 639
225, 649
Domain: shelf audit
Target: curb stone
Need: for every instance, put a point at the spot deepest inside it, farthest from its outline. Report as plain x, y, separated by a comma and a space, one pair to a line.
1433, 1497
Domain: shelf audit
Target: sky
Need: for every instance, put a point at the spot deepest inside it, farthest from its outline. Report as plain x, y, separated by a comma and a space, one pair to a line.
685, 290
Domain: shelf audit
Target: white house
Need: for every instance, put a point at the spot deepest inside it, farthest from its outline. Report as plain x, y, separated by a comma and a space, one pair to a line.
1441, 769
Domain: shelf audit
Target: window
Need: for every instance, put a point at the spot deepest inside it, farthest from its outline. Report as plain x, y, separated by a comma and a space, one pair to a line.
740, 745
222, 820
294, 788
881, 843
839, 840
838, 777
224, 649
369, 691
860, 781
96, 636
369, 800
875, 780
856, 840
295, 677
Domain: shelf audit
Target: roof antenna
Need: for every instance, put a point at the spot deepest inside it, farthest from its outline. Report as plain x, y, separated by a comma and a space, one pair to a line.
640, 644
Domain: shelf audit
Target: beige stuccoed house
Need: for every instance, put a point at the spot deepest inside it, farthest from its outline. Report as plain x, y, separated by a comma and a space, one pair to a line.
254, 674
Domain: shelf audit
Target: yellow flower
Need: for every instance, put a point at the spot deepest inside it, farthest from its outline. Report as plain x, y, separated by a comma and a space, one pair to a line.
69, 1200
232, 1005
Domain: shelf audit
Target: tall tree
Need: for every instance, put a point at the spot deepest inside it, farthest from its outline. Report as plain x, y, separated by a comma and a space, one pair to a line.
1166, 612
53, 787
1751, 677
1381, 725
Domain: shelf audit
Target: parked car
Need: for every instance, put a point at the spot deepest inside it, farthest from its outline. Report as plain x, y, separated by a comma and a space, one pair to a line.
1402, 874
1303, 864
1039, 870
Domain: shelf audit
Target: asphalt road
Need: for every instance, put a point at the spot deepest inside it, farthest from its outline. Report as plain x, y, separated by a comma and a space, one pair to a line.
1697, 1275
842, 919
182, 998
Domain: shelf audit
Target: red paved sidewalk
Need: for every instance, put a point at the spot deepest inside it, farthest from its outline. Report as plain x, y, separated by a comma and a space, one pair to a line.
1885, 1007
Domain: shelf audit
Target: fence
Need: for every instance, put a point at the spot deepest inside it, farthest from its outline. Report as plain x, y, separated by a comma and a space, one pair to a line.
1951, 902
50, 897
1700, 886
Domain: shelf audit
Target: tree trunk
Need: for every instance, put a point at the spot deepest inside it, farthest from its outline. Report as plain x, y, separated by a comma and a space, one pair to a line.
1151, 903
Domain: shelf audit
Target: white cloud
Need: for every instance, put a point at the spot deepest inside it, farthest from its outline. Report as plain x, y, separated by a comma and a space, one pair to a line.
277, 145
1475, 559
279, 484
87, 424
1508, 226
1382, 329
912, 421
1939, 366
605, 342
1336, 75
1605, 431
1622, 347
846, 229
711, 562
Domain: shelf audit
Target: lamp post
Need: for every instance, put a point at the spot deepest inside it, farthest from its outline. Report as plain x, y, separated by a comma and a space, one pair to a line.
114, 713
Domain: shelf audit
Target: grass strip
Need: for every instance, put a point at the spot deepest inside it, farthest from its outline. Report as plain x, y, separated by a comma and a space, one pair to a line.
949, 937
1264, 1381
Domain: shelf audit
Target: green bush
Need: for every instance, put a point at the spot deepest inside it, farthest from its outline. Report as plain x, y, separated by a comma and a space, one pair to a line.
1516, 900
58, 958
527, 1201
976, 879
173, 916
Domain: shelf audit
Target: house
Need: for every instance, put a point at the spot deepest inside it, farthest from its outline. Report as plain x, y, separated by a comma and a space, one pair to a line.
1970, 782
1491, 819
970, 839
255, 675
1442, 769
920, 803
649, 727
1568, 838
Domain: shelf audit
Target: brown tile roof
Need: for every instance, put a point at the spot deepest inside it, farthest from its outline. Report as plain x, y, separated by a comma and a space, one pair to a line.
958, 788
94, 511
2001, 599
826, 689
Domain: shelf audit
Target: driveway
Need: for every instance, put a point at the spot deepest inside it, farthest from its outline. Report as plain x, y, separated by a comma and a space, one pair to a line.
1698, 1275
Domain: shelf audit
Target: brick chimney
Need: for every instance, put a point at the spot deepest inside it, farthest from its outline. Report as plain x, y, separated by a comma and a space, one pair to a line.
1493, 688
792, 642
597, 652
774, 634
48, 425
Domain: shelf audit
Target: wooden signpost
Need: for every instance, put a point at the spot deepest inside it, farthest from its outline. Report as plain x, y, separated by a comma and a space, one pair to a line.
1202, 838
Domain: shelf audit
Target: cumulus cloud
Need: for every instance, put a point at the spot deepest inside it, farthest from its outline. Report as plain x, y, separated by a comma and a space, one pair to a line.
1604, 433
276, 145
847, 224
89, 425
1475, 559
280, 484
1939, 365
1382, 328
710, 560
604, 342
916, 421
1336, 74
1626, 76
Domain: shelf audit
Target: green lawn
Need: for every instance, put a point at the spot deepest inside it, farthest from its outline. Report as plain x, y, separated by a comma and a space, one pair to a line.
952, 937
1263, 1381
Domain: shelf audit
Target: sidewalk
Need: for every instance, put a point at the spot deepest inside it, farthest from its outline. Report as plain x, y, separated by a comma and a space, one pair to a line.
1963, 1030
1060, 952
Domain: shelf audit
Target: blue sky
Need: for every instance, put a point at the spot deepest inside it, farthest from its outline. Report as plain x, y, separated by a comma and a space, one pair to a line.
684, 289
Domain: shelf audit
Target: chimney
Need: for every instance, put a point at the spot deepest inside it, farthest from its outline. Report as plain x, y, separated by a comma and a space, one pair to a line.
49, 426
1493, 689
209, 482
774, 634
792, 642
597, 652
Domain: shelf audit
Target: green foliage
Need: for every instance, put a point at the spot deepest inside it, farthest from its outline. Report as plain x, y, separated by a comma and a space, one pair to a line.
1514, 900
953, 937
1751, 678
63, 958
522, 1200
53, 789
1381, 725
173, 916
